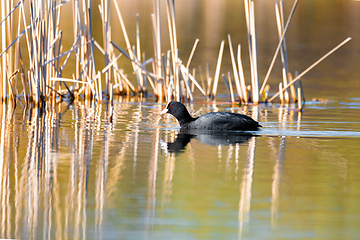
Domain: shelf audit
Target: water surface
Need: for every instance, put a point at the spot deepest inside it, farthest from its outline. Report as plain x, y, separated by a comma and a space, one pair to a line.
70, 173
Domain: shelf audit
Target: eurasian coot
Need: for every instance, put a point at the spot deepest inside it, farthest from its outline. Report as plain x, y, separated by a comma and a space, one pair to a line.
210, 121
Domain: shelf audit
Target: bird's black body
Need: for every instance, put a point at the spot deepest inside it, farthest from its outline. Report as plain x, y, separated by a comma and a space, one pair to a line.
211, 121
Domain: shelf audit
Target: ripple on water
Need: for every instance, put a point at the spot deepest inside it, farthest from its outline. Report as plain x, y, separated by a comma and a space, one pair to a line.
307, 133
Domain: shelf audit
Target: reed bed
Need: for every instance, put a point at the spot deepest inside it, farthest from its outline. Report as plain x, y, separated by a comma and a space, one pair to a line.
42, 79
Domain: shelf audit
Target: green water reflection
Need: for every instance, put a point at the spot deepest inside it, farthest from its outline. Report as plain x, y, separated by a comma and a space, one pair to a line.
70, 173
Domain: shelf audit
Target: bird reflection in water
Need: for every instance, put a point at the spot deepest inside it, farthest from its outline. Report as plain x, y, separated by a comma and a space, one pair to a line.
207, 137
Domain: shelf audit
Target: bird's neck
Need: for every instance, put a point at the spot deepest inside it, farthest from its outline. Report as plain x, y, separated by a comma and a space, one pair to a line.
186, 119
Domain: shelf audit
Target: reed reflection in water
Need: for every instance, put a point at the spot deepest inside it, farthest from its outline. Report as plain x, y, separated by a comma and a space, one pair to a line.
236, 142
68, 172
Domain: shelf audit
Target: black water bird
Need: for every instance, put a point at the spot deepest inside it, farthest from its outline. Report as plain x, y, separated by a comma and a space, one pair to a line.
210, 121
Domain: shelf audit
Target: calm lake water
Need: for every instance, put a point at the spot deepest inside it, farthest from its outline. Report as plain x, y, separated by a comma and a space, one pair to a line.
69, 172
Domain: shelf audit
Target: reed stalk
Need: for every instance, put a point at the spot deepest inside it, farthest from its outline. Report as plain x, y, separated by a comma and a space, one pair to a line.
105, 13
255, 71
11, 72
43, 44
229, 87
226, 82
279, 45
140, 66
209, 79
302, 97
202, 77
192, 53
311, 67
170, 11
169, 79
157, 50
3, 83
188, 75
300, 102
139, 75
192, 83
235, 71
281, 96
292, 89
135, 61
12, 88
157, 34
241, 75
217, 71
279, 10
250, 24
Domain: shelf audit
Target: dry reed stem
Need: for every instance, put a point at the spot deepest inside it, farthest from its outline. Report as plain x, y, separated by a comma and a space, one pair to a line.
247, 18
188, 75
281, 93
11, 12
312, 66
292, 89
169, 79
192, 53
279, 20
127, 81
143, 70
61, 79
192, 83
135, 61
99, 95
139, 75
208, 78
105, 13
255, 73
302, 99
279, 45
165, 74
250, 24
217, 71
43, 45
12, 89
226, 82
231, 90
170, 11
201, 78
170, 88
300, 102
3, 83
235, 71
157, 31
159, 93
241, 75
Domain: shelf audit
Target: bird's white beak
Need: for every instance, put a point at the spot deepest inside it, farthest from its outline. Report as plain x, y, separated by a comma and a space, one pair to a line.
164, 111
